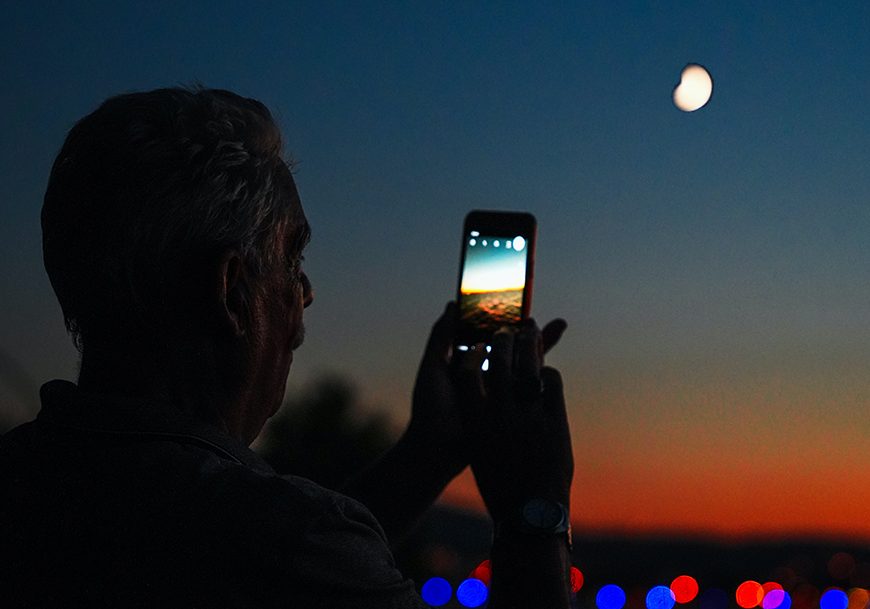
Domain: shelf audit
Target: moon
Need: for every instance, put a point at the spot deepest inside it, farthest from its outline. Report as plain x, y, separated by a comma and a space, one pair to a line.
695, 88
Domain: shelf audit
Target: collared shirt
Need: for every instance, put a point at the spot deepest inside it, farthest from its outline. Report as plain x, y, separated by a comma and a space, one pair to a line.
115, 502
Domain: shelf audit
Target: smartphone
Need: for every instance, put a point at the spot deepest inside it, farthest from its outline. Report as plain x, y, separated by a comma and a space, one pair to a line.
496, 272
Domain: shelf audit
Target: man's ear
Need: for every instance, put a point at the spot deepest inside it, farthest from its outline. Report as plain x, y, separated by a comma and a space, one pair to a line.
232, 306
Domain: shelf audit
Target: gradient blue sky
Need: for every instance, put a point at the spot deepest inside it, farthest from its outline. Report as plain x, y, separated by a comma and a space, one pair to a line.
714, 266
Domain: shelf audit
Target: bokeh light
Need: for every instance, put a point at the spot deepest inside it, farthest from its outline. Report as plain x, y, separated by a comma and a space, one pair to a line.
684, 589
774, 599
841, 565
749, 594
471, 593
772, 595
859, 598
805, 596
660, 597
713, 598
483, 572
834, 598
577, 580
610, 596
437, 591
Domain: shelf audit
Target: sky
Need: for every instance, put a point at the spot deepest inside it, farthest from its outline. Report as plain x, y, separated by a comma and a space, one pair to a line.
713, 266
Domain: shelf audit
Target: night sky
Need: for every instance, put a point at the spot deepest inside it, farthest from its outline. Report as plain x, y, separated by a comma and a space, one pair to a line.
714, 266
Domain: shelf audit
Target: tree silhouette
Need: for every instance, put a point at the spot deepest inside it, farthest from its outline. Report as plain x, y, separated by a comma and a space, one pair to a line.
323, 433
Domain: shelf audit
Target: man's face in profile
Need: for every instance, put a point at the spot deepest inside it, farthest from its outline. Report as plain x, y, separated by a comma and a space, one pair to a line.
278, 330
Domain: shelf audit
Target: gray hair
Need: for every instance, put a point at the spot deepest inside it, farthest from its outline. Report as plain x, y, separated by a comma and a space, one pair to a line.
148, 189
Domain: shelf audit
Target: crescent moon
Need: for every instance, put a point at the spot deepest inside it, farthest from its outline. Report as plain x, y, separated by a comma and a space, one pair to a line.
695, 88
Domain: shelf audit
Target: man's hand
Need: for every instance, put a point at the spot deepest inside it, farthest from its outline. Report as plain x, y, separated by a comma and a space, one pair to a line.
522, 447
438, 419
448, 412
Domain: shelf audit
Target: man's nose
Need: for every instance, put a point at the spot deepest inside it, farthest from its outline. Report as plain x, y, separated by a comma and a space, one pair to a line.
307, 291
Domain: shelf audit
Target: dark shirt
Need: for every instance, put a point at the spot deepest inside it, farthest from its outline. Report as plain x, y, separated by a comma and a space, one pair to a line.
113, 502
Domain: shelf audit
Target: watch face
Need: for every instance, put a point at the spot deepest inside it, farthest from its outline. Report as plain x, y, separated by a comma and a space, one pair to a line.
543, 514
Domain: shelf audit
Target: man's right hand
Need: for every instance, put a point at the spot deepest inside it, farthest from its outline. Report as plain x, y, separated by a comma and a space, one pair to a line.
523, 445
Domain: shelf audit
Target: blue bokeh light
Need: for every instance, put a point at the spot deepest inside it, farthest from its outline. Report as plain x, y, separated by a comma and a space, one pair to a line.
660, 597
834, 599
786, 601
610, 596
437, 591
472, 593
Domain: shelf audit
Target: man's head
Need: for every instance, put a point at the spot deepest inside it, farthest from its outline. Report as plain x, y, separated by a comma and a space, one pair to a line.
171, 221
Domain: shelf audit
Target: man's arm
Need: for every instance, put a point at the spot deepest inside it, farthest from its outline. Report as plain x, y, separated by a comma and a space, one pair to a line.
403, 484
433, 450
511, 425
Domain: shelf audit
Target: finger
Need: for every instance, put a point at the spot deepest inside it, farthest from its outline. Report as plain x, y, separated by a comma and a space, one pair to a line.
469, 377
501, 358
553, 397
528, 353
552, 332
441, 338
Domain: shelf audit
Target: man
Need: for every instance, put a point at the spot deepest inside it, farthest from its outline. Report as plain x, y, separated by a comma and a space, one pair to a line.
172, 235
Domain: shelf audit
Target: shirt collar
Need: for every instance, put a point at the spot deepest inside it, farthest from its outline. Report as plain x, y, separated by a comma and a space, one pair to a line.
65, 405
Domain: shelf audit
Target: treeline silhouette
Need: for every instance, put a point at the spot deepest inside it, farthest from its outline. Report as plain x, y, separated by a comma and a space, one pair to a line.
323, 432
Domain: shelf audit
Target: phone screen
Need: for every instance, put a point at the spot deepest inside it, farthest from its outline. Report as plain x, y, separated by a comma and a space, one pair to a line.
493, 280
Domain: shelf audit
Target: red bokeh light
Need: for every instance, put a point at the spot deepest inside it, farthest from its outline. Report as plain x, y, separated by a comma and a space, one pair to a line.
841, 565
859, 598
483, 572
749, 594
684, 588
768, 586
576, 579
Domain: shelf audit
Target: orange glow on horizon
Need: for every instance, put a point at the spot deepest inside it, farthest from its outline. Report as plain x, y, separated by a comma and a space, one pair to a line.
466, 290
700, 512
708, 452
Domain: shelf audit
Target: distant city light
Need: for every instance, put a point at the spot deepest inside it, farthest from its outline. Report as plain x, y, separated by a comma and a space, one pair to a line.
841, 565
483, 572
834, 598
859, 598
660, 597
475, 233
610, 596
472, 242
519, 243
773, 595
437, 591
775, 599
471, 593
749, 594
576, 579
684, 589
496, 243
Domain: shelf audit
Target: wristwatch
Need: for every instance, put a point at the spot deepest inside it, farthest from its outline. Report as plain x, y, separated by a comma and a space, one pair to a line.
538, 517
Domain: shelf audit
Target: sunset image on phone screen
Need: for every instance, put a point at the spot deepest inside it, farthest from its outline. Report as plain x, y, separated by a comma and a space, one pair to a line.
493, 279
